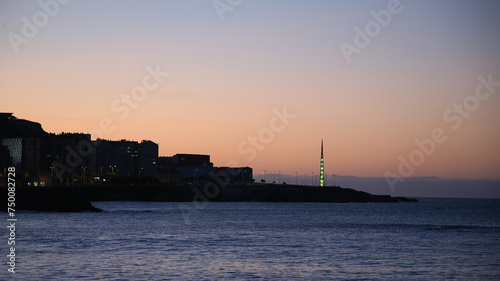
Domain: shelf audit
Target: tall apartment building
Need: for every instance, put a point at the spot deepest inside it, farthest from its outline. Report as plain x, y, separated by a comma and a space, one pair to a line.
125, 158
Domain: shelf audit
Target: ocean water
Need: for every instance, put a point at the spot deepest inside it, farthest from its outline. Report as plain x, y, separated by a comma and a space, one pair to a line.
434, 239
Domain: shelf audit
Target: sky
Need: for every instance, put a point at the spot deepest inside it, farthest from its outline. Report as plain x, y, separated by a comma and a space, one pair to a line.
394, 89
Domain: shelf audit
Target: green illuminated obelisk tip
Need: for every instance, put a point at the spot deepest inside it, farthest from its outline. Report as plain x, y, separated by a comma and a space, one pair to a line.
321, 171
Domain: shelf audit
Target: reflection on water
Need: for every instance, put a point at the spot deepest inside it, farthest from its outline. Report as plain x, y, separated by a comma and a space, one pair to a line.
434, 238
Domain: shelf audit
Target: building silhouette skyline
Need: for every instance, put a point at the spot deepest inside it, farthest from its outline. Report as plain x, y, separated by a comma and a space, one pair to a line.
74, 159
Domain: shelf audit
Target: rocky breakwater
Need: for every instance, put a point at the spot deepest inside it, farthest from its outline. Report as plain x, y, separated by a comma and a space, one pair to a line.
49, 199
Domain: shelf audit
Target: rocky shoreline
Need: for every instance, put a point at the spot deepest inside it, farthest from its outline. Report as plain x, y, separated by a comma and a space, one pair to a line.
50, 199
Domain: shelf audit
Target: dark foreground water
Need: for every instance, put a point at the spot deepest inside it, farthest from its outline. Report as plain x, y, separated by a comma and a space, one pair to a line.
434, 239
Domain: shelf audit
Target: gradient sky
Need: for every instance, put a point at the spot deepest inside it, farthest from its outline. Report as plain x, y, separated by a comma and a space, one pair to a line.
227, 76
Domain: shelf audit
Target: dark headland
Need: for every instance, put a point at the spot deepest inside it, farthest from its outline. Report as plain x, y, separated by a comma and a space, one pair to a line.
65, 172
77, 199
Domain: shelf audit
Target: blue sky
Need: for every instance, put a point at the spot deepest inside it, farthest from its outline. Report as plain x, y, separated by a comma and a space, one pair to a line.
227, 76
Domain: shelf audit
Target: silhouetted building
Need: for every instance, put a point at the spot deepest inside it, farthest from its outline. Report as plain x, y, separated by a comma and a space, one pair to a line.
196, 168
166, 173
191, 159
50, 159
4, 160
14, 134
117, 157
192, 167
24, 154
148, 158
164, 161
15, 149
126, 158
12, 127
74, 152
234, 174
43, 159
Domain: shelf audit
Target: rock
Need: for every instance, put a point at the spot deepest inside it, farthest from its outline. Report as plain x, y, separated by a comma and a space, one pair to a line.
46, 199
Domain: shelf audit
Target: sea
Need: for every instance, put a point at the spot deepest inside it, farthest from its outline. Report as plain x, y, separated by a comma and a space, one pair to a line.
433, 239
